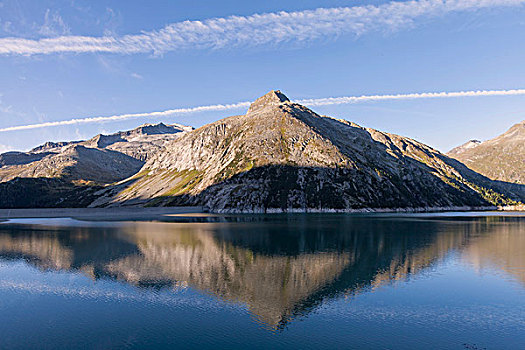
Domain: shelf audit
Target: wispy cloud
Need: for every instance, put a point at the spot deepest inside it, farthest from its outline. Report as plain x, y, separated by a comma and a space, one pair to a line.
53, 25
239, 105
4, 148
254, 30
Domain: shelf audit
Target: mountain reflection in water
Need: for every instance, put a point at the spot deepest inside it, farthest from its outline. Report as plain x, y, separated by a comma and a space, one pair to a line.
281, 267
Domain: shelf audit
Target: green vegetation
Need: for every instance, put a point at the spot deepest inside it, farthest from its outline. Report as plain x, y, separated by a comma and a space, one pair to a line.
492, 196
284, 144
137, 181
240, 163
188, 180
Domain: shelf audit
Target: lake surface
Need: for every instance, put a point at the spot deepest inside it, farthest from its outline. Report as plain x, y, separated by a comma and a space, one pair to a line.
454, 281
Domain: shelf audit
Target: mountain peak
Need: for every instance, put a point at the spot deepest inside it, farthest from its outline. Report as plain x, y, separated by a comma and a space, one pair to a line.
272, 98
500, 158
518, 128
464, 147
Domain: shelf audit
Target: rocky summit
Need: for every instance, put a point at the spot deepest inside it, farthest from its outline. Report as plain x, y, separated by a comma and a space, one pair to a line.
282, 156
501, 158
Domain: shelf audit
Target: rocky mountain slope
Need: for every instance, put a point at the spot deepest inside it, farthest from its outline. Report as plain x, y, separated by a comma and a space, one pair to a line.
139, 143
281, 156
54, 174
502, 158
74, 162
464, 147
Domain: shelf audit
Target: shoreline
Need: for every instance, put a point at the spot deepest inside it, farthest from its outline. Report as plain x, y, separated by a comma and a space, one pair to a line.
152, 213
517, 208
99, 213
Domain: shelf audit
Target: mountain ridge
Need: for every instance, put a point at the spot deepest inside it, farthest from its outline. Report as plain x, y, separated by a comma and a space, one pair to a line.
278, 157
57, 171
281, 156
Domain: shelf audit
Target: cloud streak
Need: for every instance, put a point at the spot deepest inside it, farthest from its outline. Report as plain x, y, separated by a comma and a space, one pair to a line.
368, 98
254, 30
120, 117
239, 105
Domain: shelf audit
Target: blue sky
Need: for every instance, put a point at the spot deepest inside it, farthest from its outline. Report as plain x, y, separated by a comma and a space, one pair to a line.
61, 60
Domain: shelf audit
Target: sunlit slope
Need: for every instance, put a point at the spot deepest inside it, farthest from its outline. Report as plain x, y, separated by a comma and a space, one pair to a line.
501, 158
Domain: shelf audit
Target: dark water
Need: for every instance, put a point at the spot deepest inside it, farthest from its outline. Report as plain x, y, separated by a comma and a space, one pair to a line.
298, 281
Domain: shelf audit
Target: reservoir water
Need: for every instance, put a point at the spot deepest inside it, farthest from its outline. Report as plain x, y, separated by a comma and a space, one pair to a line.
441, 281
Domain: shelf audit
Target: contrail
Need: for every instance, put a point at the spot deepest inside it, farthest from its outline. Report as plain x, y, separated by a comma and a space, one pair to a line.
129, 116
309, 102
255, 30
356, 99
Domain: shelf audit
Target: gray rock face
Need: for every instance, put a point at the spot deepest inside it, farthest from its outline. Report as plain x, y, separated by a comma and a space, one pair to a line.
20, 158
273, 98
281, 156
141, 142
51, 147
464, 147
501, 158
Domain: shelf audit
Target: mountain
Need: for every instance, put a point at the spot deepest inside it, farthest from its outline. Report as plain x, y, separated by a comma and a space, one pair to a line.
54, 174
502, 158
74, 162
282, 156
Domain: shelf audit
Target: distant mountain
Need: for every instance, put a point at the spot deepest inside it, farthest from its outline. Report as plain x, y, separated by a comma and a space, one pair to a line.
502, 158
464, 147
281, 156
138, 143
53, 173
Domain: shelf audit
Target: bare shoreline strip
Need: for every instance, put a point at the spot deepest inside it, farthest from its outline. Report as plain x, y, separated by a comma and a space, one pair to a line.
152, 213
135, 213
